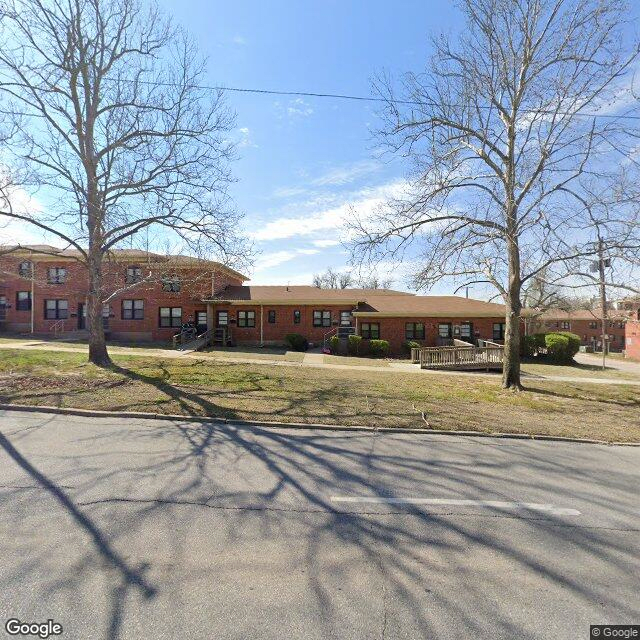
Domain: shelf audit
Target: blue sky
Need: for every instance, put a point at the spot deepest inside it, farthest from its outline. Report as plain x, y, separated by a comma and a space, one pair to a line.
303, 161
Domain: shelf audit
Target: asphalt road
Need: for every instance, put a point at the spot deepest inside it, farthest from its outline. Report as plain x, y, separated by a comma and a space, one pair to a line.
139, 529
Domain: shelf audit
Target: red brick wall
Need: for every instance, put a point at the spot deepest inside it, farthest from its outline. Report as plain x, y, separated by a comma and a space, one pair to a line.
196, 284
632, 339
275, 333
589, 335
393, 329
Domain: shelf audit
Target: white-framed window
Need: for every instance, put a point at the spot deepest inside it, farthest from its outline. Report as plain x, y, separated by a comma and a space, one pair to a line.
321, 318
56, 309
170, 317
133, 309
56, 275
246, 319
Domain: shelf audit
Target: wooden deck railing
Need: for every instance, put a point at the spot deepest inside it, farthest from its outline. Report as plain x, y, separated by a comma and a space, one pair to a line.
469, 357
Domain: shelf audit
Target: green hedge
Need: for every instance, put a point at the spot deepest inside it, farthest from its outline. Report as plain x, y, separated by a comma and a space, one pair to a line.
353, 344
297, 342
334, 343
378, 347
558, 346
410, 344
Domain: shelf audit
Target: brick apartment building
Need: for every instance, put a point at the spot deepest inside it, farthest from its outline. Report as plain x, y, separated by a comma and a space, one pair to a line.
584, 323
43, 290
632, 337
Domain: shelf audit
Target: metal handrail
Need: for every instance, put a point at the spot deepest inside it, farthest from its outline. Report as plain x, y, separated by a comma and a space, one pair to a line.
57, 327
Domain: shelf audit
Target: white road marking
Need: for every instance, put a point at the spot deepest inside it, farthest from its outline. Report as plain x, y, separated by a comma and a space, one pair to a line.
495, 504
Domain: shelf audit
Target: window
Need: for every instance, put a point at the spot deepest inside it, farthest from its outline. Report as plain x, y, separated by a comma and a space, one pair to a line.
271, 317
296, 317
414, 331
171, 283
498, 330
223, 318
565, 325
170, 316
465, 330
370, 331
56, 309
56, 275
322, 318
246, 319
25, 269
345, 318
593, 324
23, 300
134, 274
444, 329
133, 309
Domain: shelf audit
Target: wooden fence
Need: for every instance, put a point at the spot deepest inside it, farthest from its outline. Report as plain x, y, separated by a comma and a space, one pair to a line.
468, 357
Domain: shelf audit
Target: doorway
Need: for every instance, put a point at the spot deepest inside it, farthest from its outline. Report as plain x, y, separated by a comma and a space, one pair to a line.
82, 315
201, 321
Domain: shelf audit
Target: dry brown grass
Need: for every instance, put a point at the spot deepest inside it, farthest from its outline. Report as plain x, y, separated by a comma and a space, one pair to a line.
382, 398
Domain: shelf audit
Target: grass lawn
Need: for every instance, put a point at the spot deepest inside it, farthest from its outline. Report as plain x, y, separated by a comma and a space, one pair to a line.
379, 398
255, 353
352, 360
577, 370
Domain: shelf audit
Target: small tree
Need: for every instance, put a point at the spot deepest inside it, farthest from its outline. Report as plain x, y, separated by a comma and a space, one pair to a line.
496, 135
107, 117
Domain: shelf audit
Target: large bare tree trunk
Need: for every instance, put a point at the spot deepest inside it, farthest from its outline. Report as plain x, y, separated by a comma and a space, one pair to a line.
511, 366
97, 345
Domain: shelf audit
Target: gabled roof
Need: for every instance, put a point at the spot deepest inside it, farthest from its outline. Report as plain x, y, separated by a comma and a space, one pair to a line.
282, 294
119, 255
430, 306
552, 315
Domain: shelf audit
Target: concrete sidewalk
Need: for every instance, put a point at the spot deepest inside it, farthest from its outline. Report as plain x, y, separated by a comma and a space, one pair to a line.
314, 360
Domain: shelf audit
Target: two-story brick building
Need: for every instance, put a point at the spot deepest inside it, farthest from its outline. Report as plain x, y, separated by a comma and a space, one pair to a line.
632, 337
149, 296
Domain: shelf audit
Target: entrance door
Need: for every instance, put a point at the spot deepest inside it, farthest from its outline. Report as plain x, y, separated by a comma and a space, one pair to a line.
3, 307
201, 321
82, 315
222, 319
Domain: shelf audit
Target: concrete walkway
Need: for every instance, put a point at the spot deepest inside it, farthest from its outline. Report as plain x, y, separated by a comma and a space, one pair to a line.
595, 359
313, 360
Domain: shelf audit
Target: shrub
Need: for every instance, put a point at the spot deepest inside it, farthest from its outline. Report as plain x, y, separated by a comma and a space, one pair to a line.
410, 344
557, 347
378, 347
574, 343
334, 343
353, 345
532, 345
297, 342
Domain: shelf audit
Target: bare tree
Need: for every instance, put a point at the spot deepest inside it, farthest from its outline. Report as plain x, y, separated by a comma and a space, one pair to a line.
331, 279
110, 123
496, 133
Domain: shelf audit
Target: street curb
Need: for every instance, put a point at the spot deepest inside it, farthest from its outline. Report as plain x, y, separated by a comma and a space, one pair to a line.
302, 425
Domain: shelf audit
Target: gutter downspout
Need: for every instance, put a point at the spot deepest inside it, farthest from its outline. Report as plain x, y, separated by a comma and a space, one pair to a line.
33, 301
261, 326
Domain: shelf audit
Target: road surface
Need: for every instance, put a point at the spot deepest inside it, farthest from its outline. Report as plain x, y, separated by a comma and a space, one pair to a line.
132, 529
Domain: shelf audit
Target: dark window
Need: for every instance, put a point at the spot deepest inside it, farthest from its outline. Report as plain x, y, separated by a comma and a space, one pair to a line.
498, 330
414, 331
296, 317
23, 300
465, 330
565, 325
322, 318
25, 269
56, 275
201, 321
345, 318
370, 330
56, 309
134, 274
171, 283
593, 324
170, 316
444, 329
246, 319
223, 318
133, 309
271, 317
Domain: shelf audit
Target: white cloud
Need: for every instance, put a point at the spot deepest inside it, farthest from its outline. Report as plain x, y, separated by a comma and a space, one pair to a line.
347, 173
276, 258
239, 40
19, 232
299, 107
332, 218
325, 243
244, 138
